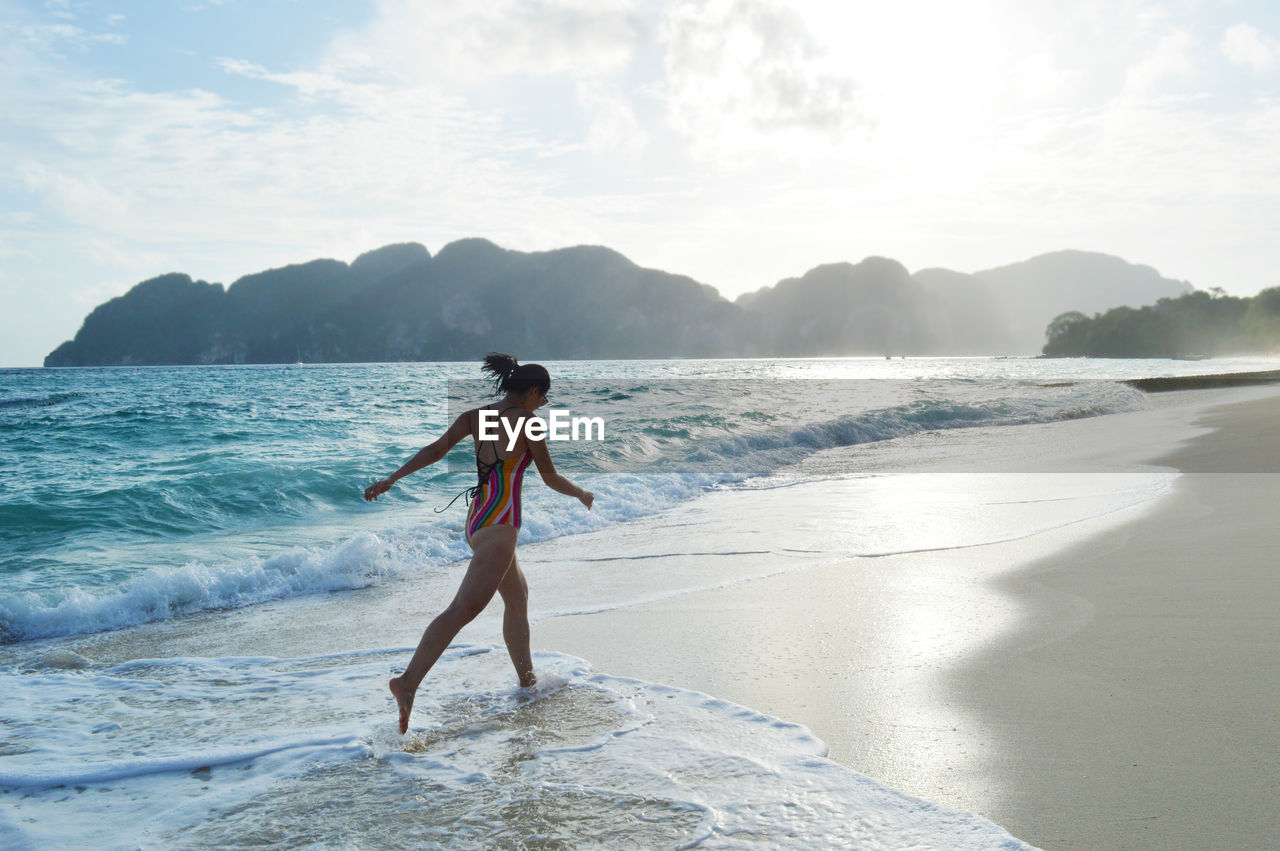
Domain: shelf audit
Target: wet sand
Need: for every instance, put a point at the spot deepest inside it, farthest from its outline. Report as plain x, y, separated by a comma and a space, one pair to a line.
1156, 723
1112, 684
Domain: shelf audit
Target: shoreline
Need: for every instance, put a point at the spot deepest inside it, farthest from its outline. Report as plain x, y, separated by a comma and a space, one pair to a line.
956, 719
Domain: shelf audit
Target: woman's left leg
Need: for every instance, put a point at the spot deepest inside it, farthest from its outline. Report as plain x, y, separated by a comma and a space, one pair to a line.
515, 622
494, 548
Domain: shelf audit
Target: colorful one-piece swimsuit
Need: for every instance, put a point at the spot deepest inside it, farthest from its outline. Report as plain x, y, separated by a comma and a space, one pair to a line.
496, 499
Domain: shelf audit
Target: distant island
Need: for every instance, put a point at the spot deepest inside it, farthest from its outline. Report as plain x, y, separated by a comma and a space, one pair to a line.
400, 303
1197, 324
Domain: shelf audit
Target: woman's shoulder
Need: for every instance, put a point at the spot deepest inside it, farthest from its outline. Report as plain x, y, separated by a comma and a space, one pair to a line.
516, 411
475, 418
488, 416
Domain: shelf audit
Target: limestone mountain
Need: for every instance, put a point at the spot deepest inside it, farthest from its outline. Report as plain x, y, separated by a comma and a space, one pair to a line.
400, 303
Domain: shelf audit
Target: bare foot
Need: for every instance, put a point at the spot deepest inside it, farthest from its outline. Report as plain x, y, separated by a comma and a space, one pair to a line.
404, 700
528, 680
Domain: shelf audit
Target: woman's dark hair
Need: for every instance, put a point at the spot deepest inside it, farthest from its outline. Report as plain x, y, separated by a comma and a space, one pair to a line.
509, 376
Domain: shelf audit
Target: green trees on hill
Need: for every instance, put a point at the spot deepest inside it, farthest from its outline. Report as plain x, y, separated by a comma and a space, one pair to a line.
1198, 323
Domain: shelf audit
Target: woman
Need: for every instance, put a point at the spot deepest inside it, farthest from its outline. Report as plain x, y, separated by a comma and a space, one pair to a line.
492, 522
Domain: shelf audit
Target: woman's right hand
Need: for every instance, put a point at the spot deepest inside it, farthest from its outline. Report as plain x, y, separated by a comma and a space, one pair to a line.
586, 498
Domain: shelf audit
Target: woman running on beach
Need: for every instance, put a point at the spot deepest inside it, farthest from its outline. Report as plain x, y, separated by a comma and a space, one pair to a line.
492, 522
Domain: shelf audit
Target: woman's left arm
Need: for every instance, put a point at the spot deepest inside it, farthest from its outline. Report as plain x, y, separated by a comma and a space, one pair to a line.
425, 457
552, 479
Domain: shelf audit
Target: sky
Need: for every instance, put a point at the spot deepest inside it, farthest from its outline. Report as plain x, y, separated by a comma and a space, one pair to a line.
739, 142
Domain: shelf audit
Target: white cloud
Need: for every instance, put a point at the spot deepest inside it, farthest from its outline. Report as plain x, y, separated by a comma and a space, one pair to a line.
1247, 47
60, 9
487, 52
614, 127
78, 198
50, 37
168, 164
1037, 78
310, 85
1172, 57
748, 73
441, 41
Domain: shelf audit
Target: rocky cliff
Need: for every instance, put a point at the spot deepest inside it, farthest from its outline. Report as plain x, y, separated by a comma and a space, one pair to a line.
400, 303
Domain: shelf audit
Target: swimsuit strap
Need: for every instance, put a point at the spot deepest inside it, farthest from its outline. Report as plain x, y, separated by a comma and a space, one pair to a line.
469, 493
484, 469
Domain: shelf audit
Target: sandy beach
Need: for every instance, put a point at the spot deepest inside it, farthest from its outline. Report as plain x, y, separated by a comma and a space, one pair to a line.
1154, 724
1110, 684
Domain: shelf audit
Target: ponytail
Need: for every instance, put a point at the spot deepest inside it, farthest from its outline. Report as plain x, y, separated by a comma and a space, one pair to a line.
500, 367
510, 377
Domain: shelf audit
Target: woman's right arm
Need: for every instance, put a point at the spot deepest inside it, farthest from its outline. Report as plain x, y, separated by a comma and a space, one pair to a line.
425, 457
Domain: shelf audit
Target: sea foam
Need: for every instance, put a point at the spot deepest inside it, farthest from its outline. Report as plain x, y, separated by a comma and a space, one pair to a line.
258, 749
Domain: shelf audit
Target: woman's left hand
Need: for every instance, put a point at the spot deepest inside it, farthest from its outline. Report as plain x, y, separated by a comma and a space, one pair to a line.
377, 489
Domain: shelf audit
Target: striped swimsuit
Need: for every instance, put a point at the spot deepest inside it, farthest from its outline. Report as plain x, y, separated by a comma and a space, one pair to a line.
495, 500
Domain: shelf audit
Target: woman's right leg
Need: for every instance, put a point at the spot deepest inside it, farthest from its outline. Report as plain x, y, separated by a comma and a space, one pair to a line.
515, 622
494, 548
